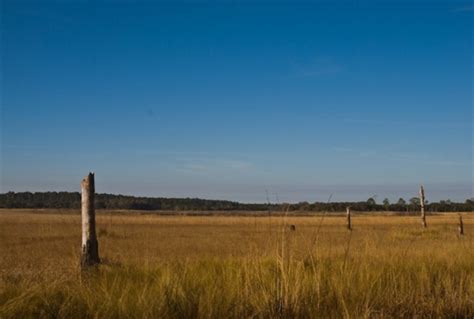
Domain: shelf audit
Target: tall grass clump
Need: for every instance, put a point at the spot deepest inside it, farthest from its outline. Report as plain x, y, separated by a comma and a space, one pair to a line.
229, 269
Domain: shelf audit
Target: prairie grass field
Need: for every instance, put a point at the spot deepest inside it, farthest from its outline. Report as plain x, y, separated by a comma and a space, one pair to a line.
171, 266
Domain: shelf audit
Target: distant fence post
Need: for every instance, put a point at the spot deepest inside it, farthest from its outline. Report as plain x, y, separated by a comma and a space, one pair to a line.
348, 213
422, 205
461, 225
90, 246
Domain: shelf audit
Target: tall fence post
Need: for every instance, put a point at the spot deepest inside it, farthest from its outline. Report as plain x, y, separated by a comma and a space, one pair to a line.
348, 213
422, 206
461, 226
90, 246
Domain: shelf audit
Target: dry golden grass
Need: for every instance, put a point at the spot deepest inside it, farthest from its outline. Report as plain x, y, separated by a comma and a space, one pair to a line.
236, 267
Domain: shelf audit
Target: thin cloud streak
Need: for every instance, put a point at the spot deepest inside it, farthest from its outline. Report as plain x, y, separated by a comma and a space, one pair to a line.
319, 67
400, 156
468, 8
425, 124
211, 165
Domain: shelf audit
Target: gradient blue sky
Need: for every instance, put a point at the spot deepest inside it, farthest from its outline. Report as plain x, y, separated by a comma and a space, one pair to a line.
229, 99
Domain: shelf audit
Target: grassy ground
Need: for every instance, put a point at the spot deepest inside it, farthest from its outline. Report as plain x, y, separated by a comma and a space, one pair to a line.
236, 267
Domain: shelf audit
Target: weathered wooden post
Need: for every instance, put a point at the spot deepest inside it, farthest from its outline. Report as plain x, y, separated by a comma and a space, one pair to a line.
90, 246
348, 213
461, 225
422, 205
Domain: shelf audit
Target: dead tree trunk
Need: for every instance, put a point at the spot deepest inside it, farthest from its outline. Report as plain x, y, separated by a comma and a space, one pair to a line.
90, 246
422, 205
461, 225
348, 213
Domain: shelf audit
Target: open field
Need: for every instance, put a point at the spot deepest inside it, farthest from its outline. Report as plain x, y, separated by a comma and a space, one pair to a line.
236, 267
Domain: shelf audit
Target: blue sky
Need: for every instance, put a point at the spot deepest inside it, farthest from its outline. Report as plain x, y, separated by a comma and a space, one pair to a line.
229, 99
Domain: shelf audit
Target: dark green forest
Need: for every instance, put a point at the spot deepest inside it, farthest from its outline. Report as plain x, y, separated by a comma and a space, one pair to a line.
72, 200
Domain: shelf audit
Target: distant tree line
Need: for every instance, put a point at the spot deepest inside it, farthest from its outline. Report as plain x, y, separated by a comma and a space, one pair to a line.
108, 201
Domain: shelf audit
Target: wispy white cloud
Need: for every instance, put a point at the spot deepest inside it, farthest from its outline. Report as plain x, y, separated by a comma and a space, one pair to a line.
466, 8
342, 149
369, 153
428, 124
418, 158
22, 147
211, 165
320, 66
